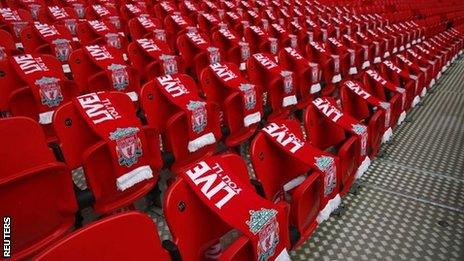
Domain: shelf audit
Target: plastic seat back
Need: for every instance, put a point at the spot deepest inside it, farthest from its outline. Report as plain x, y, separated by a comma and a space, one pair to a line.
92, 78
36, 191
102, 240
322, 132
82, 147
187, 217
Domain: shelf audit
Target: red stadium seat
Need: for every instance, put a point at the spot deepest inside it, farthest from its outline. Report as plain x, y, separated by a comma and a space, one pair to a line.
93, 32
189, 132
197, 51
55, 40
382, 89
13, 21
153, 58
400, 78
81, 147
187, 217
363, 106
292, 180
104, 240
146, 27
307, 75
327, 135
36, 191
234, 49
330, 64
7, 45
101, 67
278, 85
240, 101
35, 96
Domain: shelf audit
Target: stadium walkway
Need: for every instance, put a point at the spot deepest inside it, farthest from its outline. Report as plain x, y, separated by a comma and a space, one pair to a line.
411, 203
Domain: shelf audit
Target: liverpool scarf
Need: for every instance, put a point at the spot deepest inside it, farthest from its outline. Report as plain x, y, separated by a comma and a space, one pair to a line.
58, 42
251, 98
159, 51
328, 109
179, 92
287, 136
113, 118
104, 30
43, 82
112, 63
383, 83
278, 77
215, 182
356, 89
12, 19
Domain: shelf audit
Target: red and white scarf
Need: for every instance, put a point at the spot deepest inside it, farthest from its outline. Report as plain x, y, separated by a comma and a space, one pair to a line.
201, 43
12, 19
215, 182
251, 98
157, 52
113, 64
102, 29
287, 136
356, 89
328, 108
384, 83
113, 118
43, 82
148, 24
60, 45
298, 59
276, 73
185, 99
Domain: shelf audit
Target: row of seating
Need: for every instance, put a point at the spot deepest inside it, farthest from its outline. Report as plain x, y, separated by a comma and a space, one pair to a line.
140, 86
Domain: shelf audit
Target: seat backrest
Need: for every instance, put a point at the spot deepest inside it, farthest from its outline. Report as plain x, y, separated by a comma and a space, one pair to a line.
194, 227
321, 132
273, 166
372, 86
131, 235
353, 104
82, 147
36, 191
92, 78
82, 68
9, 81
156, 106
34, 43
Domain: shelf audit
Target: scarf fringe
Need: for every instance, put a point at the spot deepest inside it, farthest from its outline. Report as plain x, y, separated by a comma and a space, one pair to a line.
201, 142
377, 60
386, 54
289, 100
133, 177
337, 78
363, 167
251, 119
401, 118
423, 92
332, 204
387, 135
283, 256
415, 101
315, 88
366, 64
353, 70
133, 96
46, 117
432, 83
